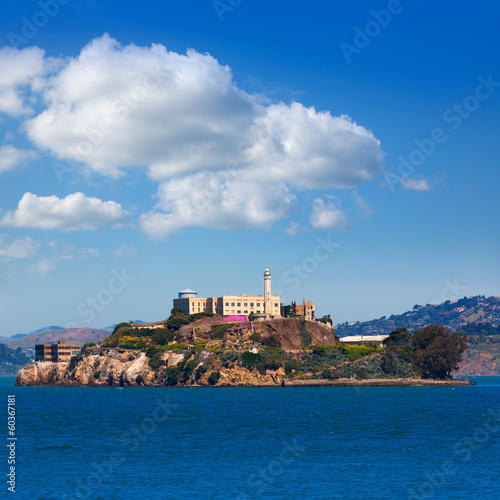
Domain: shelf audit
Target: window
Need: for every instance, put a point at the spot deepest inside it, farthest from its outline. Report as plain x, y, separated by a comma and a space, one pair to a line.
251, 304
276, 305
227, 304
245, 304
246, 312
232, 304
239, 304
239, 312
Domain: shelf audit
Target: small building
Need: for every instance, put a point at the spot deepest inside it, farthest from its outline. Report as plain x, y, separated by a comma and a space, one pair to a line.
363, 339
306, 309
62, 351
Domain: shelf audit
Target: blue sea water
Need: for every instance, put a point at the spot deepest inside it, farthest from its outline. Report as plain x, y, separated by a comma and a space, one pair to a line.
255, 443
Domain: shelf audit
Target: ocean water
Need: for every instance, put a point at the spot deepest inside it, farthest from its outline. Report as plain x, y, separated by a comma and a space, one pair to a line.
255, 443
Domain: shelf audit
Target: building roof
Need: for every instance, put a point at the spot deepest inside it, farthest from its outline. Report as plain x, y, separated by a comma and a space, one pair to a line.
364, 338
187, 290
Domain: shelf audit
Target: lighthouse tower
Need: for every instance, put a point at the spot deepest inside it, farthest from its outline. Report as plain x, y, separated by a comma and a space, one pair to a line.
267, 292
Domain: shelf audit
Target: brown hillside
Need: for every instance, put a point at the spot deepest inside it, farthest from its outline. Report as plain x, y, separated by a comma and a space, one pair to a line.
290, 333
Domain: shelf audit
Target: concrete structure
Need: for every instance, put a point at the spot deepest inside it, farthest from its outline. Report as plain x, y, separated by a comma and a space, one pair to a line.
62, 351
363, 339
265, 305
307, 309
268, 309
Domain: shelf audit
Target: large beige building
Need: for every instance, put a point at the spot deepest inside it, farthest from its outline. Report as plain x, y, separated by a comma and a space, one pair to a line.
227, 305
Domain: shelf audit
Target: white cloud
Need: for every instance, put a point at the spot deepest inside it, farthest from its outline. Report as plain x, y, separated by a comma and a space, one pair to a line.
125, 251
10, 157
327, 214
206, 200
20, 249
114, 107
20, 69
75, 212
183, 119
42, 268
416, 183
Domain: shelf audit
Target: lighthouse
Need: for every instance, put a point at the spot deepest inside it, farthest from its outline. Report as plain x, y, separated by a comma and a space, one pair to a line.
268, 309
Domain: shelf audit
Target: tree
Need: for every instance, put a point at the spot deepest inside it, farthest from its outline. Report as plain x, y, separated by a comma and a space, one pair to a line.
398, 337
120, 325
285, 310
437, 351
326, 319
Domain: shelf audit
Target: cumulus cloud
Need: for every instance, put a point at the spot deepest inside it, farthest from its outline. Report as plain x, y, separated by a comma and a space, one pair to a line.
21, 70
75, 212
11, 157
20, 249
416, 183
114, 107
207, 200
183, 119
327, 214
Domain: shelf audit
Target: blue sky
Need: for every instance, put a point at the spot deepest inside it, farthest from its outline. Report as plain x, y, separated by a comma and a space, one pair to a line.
145, 148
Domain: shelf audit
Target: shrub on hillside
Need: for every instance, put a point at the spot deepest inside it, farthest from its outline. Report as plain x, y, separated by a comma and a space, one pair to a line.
249, 359
214, 378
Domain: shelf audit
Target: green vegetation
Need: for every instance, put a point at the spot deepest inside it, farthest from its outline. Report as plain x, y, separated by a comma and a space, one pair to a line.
88, 345
214, 378
306, 336
249, 359
256, 337
97, 374
11, 360
437, 351
156, 361
219, 331
139, 380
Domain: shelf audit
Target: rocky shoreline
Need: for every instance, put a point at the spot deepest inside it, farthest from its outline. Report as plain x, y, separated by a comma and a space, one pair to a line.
116, 370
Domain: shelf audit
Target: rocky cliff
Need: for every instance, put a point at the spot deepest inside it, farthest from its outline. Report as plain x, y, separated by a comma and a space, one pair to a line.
131, 368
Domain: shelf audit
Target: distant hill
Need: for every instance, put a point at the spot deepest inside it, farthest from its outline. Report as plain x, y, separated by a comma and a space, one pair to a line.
453, 315
78, 335
478, 317
44, 329
19, 335
11, 360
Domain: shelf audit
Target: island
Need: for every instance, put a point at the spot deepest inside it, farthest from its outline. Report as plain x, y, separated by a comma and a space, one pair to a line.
211, 350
